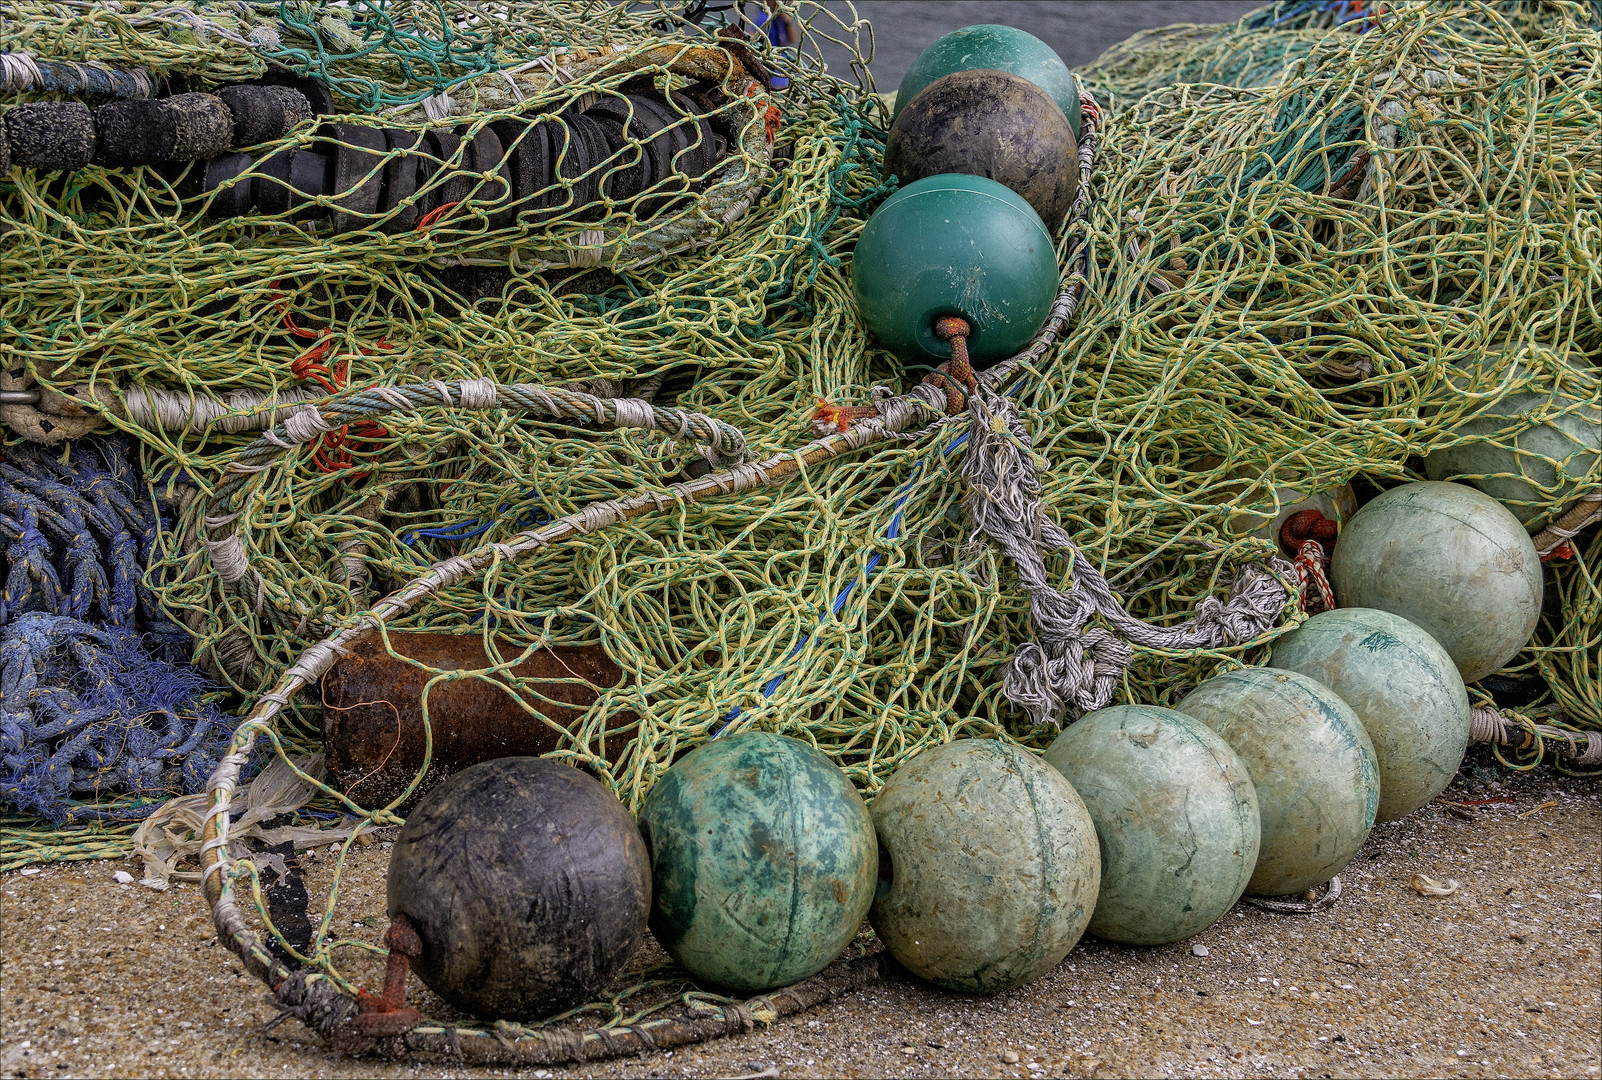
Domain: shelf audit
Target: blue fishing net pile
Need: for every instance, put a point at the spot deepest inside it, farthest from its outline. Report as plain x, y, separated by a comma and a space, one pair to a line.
100, 716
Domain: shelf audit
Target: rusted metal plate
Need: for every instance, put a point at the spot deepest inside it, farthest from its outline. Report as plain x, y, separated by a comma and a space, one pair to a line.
373, 730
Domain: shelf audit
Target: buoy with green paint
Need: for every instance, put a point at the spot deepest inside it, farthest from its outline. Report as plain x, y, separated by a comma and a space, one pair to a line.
954, 245
1312, 763
1533, 469
989, 866
1001, 48
1177, 816
1403, 687
1449, 558
763, 860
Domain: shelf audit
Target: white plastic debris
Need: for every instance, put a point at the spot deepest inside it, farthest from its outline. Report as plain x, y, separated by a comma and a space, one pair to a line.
122, 877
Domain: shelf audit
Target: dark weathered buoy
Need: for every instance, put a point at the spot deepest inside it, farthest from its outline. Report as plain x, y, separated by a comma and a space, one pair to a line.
989, 867
138, 131
1176, 814
764, 861
203, 129
1001, 48
49, 135
1449, 558
263, 113
403, 176
1312, 763
527, 883
1401, 684
954, 245
288, 179
531, 164
992, 124
356, 154
234, 199
450, 184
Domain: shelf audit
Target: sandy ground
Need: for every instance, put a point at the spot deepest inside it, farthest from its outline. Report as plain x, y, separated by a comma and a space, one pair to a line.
1502, 978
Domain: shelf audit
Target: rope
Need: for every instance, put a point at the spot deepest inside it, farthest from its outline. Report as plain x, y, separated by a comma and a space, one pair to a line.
22, 73
94, 728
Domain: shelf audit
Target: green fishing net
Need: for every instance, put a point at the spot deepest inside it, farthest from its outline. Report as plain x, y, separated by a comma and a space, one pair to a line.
1311, 252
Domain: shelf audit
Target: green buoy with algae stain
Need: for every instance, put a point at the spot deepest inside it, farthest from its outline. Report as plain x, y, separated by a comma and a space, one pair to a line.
1402, 685
1312, 763
1449, 558
989, 867
1176, 813
954, 245
1544, 464
1000, 48
763, 859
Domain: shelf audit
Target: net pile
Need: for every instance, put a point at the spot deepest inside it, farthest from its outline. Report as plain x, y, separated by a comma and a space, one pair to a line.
1289, 286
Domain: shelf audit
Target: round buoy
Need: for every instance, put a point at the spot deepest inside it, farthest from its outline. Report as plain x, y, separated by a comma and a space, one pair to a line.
1177, 816
989, 868
1000, 48
1312, 763
763, 859
954, 245
1449, 558
1535, 472
1403, 687
992, 124
528, 884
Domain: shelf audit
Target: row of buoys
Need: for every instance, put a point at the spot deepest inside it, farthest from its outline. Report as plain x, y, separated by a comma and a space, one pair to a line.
979, 863
984, 144
66, 135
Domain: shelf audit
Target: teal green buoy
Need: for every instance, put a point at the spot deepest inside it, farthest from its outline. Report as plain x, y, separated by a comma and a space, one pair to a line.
1312, 763
1403, 687
989, 868
1000, 48
954, 245
1177, 816
1536, 471
763, 861
1449, 558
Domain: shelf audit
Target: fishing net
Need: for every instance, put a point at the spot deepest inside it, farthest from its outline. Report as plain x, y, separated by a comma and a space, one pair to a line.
1290, 281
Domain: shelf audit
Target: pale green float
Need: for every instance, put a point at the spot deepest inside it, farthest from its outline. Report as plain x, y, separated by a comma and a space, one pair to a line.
1176, 814
1403, 687
1313, 765
989, 866
1536, 472
1449, 558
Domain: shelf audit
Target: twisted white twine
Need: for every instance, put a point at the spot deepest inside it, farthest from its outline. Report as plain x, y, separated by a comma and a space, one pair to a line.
1072, 667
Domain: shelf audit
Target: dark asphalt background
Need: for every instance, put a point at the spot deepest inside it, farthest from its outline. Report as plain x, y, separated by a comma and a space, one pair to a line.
1080, 30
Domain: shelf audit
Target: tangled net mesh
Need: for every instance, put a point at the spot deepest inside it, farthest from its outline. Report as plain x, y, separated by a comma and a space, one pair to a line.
1311, 251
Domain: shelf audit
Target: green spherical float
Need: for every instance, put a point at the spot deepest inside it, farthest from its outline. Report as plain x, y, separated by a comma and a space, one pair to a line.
991, 124
989, 867
763, 861
1313, 766
1449, 558
1534, 469
954, 245
1403, 687
1177, 816
1000, 48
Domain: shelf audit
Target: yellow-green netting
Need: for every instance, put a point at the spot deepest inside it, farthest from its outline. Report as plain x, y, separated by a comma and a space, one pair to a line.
1288, 287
